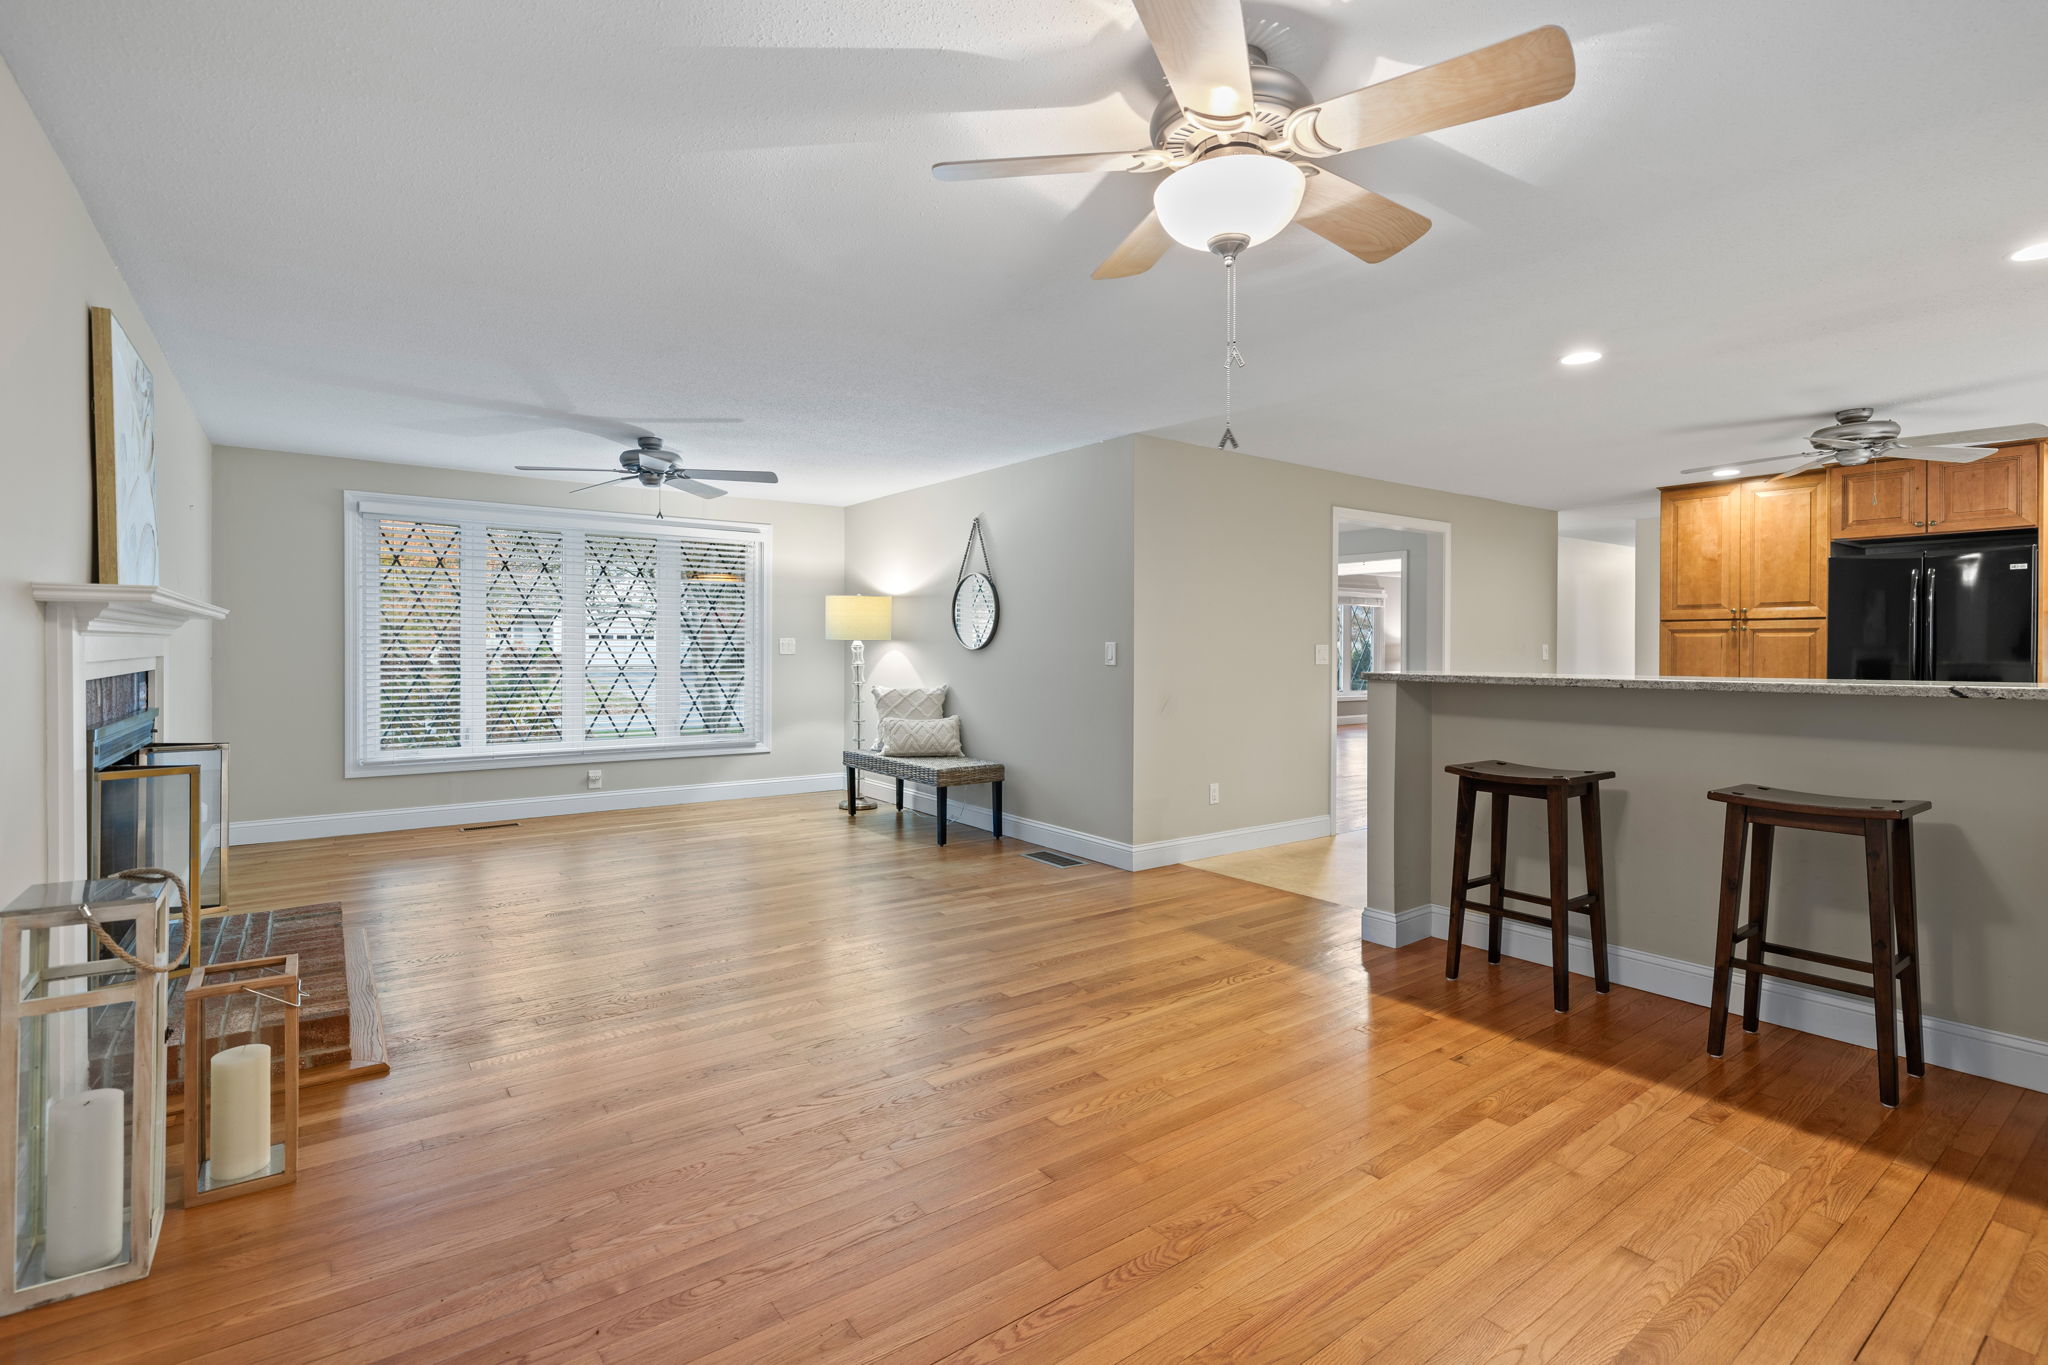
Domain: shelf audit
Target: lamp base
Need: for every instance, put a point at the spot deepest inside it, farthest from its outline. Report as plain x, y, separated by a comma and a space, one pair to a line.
862, 804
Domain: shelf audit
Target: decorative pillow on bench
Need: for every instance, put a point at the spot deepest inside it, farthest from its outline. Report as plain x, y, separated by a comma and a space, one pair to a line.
910, 703
933, 738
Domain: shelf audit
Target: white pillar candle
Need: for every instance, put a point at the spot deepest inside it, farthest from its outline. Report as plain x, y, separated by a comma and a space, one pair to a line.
83, 1188
238, 1134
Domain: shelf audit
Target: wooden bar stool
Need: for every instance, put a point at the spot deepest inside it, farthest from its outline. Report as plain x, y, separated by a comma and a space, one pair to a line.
1554, 787
1886, 828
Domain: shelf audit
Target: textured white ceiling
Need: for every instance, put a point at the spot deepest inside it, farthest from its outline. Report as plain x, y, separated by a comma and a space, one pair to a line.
480, 232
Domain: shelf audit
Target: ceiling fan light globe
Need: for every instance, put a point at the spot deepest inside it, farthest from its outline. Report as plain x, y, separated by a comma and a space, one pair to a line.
1249, 195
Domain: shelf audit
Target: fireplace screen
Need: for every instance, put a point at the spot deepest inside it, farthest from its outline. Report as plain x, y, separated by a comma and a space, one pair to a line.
165, 806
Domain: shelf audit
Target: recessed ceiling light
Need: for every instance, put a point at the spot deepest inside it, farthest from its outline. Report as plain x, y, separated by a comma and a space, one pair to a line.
1726, 473
1578, 357
2037, 252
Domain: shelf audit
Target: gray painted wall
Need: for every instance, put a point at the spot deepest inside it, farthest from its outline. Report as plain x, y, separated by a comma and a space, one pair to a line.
1038, 698
53, 267
1228, 689
279, 566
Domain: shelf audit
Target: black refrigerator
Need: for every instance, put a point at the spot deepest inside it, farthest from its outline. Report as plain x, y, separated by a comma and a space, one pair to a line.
1935, 608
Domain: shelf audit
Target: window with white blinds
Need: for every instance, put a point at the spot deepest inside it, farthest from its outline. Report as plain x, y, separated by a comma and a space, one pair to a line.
485, 635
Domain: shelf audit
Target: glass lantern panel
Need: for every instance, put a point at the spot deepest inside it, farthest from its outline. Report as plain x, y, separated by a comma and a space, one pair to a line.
211, 761
242, 1047
75, 1152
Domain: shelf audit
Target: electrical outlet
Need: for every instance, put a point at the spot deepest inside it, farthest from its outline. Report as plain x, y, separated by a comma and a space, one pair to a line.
1323, 655
787, 645
1215, 792
1109, 653
594, 778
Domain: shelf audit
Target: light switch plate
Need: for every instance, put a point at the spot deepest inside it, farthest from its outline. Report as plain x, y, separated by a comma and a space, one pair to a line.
1323, 655
1109, 653
787, 645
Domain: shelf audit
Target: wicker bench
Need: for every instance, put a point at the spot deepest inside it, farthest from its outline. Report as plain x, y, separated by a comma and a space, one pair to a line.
937, 773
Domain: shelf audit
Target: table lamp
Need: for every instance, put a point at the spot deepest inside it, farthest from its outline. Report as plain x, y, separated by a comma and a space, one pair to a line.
858, 619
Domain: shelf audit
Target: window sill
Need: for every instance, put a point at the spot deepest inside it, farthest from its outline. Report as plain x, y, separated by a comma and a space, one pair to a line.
391, 767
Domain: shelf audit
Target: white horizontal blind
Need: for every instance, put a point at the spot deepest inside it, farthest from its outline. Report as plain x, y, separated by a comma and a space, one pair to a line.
494, 636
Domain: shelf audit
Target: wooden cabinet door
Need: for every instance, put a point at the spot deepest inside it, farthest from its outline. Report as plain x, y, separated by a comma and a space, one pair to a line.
1883, 498
1784, 548
2000, 491
1701, 549
1785, 649
1700, 649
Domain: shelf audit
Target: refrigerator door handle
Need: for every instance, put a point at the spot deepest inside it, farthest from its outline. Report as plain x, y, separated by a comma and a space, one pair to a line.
1926, 662
1914, 654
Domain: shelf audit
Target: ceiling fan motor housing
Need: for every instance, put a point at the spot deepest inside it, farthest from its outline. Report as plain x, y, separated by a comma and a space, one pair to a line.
1855, 438
1275, 95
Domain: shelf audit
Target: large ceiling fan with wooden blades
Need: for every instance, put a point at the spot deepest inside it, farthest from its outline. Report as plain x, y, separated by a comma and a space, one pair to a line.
655, 466
1857, 436
1237, 134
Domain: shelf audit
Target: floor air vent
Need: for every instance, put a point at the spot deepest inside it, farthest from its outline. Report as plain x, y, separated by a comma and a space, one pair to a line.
1051, 859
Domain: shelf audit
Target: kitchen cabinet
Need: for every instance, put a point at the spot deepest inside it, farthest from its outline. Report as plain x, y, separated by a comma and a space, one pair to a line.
1996, 493
1741, 555
1732, 649
1901, 497
1882, 498
1752, 547
1700, 552
1785, 649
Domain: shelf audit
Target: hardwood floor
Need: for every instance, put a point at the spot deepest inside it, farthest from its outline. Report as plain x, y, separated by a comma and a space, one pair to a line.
749, 1083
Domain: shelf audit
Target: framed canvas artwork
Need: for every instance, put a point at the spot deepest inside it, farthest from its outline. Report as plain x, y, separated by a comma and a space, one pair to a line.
123, 455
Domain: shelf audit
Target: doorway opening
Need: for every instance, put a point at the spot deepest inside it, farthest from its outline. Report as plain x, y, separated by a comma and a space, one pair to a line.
1389, 586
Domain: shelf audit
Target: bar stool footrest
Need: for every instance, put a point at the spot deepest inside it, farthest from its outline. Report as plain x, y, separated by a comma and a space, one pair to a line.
1851, 964
1807, 978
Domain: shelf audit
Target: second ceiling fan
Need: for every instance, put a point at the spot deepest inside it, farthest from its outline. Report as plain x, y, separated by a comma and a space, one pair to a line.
1238, 135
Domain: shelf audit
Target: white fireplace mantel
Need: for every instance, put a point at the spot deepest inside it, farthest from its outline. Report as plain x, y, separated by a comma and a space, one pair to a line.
94, 630
123, 608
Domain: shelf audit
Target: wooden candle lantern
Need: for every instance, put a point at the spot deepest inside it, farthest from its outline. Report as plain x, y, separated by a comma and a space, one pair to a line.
241, 1095
81, 1089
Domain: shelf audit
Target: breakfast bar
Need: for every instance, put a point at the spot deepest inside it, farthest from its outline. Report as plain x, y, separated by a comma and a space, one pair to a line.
1977, 752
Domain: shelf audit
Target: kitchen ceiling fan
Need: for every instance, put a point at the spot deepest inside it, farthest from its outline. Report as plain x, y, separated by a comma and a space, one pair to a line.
1858, 437
1238, 134
654, 465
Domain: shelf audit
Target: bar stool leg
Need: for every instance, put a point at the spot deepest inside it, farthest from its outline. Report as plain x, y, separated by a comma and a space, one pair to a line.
1732, 843
1906, 914
1877, 862
1560, 897
1497, 810
1759, 913
1596, 881
1461, 872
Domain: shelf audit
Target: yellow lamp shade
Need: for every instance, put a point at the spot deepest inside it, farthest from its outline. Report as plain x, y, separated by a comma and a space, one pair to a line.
858, 618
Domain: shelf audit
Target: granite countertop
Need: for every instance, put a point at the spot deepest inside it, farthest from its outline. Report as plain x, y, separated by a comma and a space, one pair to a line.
1819, 687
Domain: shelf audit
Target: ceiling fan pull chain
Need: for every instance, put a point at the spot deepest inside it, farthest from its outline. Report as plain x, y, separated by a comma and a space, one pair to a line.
1232, 358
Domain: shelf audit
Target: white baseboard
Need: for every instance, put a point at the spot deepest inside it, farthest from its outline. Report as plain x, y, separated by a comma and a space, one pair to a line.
1094, 847
1967, 1048
1081, 844
1166, 852
521, 808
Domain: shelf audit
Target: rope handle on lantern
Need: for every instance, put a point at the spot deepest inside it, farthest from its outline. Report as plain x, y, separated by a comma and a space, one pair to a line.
187, 910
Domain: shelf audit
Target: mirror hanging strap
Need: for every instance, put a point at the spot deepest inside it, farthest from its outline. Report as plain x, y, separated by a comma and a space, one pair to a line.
974, 540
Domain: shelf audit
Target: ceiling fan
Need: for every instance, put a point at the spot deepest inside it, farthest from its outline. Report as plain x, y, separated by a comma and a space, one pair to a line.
1855, 438
1238, 134
656, 466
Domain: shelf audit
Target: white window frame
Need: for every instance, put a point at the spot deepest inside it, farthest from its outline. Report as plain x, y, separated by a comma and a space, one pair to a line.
356, 506
1354, 597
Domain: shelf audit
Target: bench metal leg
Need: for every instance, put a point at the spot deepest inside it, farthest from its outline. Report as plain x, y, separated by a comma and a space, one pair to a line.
997, 789
899, 793
940, 801
852, 803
